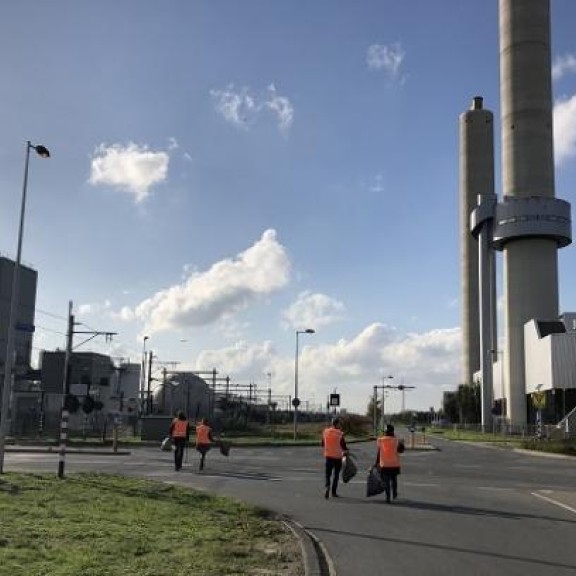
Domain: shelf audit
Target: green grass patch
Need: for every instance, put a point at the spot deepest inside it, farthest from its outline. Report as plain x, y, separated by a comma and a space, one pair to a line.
98, 525
473, 436
567, 447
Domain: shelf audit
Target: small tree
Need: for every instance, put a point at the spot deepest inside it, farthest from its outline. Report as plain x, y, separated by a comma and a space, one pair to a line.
468, 396
370, 409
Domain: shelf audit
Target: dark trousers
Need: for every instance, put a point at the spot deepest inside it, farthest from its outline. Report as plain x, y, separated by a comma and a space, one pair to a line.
203, 449
179, 444
333, 467
390, 479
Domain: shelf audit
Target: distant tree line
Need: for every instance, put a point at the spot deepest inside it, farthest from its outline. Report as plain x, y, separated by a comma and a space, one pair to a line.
459, 407
463, 405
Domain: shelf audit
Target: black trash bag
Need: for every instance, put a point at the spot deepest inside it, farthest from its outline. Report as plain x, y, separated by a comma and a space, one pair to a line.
167, 444
224, 448
374, 483
349, 468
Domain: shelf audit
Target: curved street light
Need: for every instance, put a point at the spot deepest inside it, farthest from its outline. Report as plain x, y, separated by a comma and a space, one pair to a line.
296, 400
43, 152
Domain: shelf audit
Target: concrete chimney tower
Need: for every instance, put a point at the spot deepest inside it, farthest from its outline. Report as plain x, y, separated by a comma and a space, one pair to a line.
476, 179
530, 223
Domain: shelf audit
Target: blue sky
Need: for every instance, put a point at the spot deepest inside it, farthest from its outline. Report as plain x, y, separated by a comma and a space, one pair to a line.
225, 173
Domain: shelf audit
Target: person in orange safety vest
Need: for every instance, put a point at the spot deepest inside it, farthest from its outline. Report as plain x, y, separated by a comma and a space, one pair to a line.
334, 450
179, 433
203, 440
388, 461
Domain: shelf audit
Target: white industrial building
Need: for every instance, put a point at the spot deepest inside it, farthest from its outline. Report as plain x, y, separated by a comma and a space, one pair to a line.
550, 369
550, 354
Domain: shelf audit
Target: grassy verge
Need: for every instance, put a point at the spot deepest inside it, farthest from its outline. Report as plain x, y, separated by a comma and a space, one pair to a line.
98, 525
472, 436
567, 447
309, 434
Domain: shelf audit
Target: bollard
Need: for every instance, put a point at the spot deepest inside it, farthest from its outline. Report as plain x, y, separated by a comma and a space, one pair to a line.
115, 438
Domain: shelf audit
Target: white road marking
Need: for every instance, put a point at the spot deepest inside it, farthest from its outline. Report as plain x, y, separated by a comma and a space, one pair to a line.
552, 501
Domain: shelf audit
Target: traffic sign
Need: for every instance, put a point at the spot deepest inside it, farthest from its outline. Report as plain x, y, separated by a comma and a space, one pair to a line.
334, 399
25, 327
296, 402
539, 400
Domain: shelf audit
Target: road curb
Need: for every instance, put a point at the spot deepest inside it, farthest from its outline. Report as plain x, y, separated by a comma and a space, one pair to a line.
543, 454
56, 450
317, 562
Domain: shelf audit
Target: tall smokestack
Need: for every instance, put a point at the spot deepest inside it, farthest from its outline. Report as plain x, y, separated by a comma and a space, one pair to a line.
530, 223
476, 179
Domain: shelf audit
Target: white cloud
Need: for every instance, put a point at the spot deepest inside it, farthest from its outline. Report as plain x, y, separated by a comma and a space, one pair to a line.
313, 310
94, 308
282, 107
227, 287
243, 109
232, 329
429, 361
241, 358
237, 107
378, 185
126, 314
565, 129
563, 65
132, 168
385, 57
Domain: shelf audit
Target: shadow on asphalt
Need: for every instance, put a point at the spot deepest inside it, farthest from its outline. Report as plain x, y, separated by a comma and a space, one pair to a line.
237, 475
472, 511
467, 510
443, 547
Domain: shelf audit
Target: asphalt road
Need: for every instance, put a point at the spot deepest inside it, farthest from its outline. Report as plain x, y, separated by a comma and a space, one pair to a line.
465, 510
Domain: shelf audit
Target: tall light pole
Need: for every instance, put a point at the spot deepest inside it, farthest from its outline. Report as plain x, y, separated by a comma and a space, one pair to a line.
384, 386
296, 400
403, 389
375, 410
9, 360
143, 375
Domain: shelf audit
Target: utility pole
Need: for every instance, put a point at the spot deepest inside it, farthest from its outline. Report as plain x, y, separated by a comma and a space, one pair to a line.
375, 410
164, 382
403, 389
66, 398
149, 384
65, 394
269, 404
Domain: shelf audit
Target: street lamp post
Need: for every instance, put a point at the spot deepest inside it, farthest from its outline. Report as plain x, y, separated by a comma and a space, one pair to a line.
296, 400
143, 375
9, 360
375, 410
383, 400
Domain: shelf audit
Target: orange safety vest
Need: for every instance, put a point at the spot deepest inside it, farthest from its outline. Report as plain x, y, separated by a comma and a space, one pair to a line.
202, 434
179, 428
332, 442
388, 450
